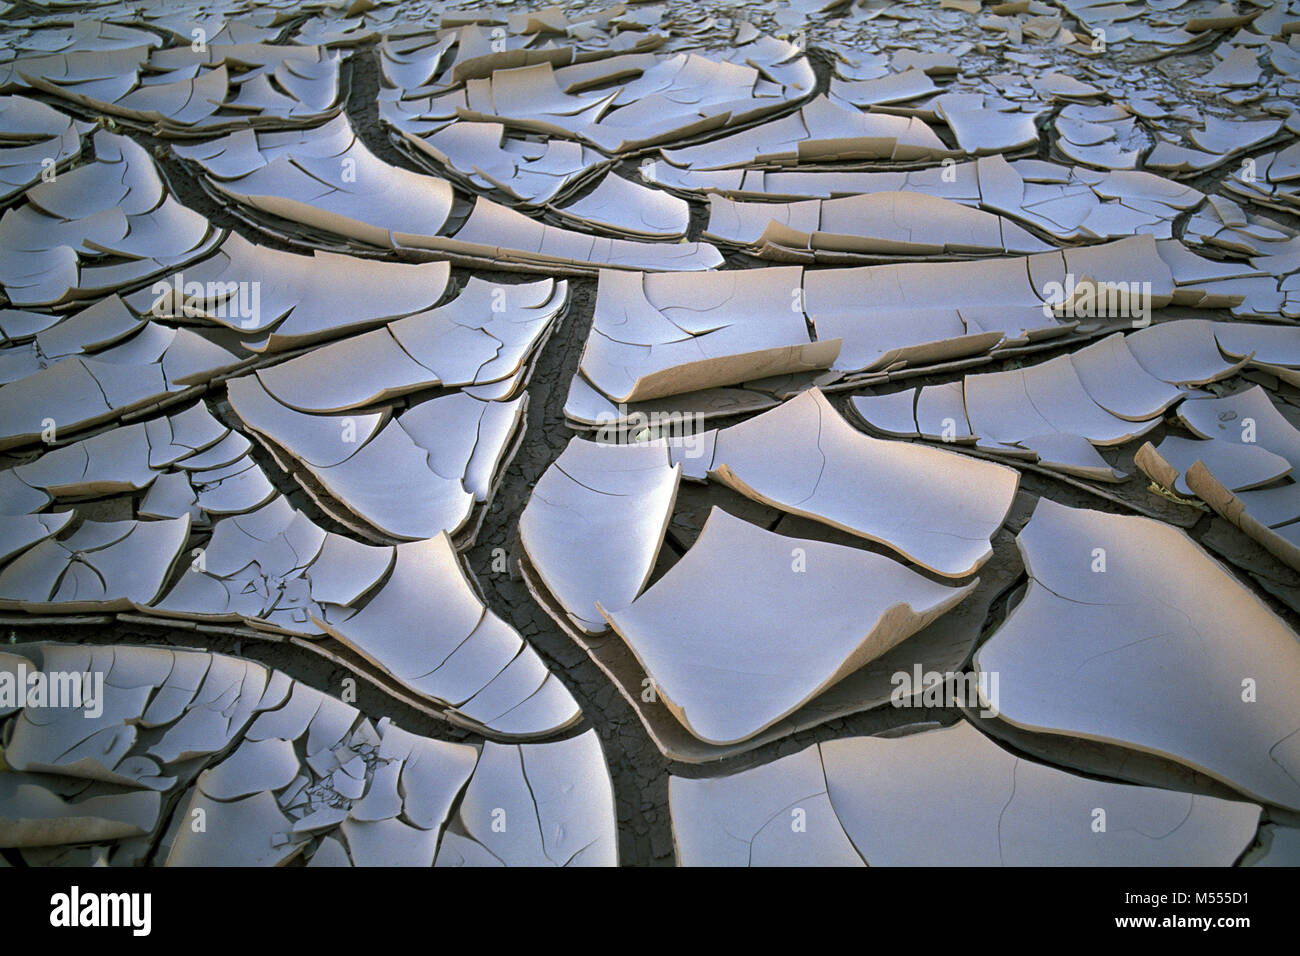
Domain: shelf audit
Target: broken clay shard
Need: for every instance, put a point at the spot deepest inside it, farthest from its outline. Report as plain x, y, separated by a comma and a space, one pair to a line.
885, 802
1080, 653
576, 526
881, 490
748, 592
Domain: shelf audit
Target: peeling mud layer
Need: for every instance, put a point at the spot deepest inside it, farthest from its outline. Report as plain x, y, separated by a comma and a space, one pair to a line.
655, 419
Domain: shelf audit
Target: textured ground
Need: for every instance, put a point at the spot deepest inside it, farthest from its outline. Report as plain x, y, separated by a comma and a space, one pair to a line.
639, 772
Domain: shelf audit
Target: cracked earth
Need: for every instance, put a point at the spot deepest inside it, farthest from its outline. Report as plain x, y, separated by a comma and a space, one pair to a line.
879, 455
